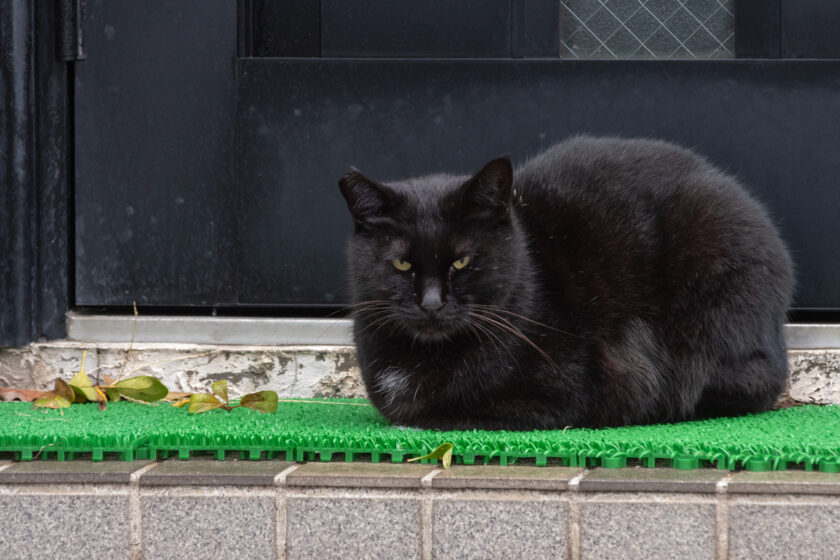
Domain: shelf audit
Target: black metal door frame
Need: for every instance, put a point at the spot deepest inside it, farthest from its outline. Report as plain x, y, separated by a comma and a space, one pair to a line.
40, 40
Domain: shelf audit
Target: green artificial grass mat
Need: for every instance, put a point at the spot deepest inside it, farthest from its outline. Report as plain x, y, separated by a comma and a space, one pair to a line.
350, 429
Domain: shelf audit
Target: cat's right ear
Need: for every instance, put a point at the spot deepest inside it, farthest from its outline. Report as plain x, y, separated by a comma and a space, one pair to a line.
366, 199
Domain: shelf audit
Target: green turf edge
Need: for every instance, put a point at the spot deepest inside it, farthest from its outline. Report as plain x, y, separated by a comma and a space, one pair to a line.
808, 437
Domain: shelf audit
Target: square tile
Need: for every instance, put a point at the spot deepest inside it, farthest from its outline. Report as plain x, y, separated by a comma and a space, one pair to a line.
209, 472
211, 527
506, 478
639, 479
789, 530
324, 528
364, 475
71, 472
64, 526
499, 529
647, 530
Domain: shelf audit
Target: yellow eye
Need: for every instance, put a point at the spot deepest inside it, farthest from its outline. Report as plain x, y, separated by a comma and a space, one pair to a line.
461, 263
401, 265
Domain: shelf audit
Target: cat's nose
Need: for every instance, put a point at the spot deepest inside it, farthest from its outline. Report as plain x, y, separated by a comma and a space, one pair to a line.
432, 300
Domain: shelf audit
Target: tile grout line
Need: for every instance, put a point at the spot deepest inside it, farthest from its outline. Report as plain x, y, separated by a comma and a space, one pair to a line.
426, 514
135, 515
573, 523
722, 516
280, 525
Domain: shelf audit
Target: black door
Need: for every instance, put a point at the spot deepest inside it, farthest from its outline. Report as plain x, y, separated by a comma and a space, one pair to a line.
209, 135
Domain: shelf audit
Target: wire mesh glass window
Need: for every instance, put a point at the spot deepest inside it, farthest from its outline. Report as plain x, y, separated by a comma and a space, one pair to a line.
625, 29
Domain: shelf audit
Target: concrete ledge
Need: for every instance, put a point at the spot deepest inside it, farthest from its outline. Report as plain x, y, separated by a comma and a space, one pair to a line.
292, 371
241, 508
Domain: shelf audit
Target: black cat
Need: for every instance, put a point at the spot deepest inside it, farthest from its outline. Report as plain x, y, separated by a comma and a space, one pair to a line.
609, 282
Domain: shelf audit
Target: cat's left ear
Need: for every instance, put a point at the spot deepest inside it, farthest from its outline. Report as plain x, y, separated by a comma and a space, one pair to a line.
489, 190
367, 200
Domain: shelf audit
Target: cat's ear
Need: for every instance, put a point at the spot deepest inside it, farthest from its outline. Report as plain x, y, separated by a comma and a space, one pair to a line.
366, 199
489, 190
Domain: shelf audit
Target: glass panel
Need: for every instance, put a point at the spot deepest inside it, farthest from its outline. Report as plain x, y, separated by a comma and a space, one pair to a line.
647, 29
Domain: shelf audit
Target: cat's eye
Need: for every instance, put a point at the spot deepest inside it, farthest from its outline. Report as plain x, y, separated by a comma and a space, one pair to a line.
401, 265
461, 263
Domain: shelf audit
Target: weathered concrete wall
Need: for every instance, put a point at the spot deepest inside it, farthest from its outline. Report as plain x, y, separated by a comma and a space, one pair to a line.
292, 371
307, 371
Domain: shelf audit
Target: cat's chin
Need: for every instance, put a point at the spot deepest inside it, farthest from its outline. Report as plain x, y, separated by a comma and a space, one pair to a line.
433, 334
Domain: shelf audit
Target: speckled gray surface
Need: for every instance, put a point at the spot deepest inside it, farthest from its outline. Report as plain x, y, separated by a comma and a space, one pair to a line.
205, 471
70, 472
784, 482
647, 531
208, 527
40, 526
361, 475
507, 478
352, 528
639, 479
766, 530
499, 529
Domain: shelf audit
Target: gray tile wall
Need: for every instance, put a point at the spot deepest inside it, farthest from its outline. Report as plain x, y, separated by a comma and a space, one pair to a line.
273, 509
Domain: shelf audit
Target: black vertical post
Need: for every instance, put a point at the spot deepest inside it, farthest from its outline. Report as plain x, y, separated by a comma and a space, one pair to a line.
758, 32
34, 195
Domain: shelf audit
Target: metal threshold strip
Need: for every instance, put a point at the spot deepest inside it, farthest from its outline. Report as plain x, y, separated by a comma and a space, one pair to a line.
261, 331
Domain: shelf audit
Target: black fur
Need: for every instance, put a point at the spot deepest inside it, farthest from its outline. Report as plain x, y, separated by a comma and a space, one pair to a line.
611, 282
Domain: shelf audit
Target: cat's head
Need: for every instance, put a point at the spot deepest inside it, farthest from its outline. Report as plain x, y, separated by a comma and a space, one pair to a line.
427, 252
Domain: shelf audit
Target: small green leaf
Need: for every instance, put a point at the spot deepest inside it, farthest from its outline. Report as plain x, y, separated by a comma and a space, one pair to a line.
51, 400
141, 388
264, 401
181, 402
81, 384
442, 452
113, 394
219, 388
201, 402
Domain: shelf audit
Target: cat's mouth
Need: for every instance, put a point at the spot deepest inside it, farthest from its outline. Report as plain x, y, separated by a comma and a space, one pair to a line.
434, 330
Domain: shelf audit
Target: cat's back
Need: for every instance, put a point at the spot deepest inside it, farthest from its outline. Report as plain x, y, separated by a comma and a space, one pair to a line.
618, 167
640, 218
637, 190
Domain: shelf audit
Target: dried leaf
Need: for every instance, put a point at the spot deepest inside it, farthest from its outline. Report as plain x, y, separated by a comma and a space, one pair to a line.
442, 452
108, 380
264, 401
219, 389
8, 394
201, 402
141, 388
62, 389
52, 400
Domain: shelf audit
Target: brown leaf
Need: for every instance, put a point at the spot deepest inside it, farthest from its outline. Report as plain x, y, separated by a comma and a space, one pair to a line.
62, 389
8, 394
